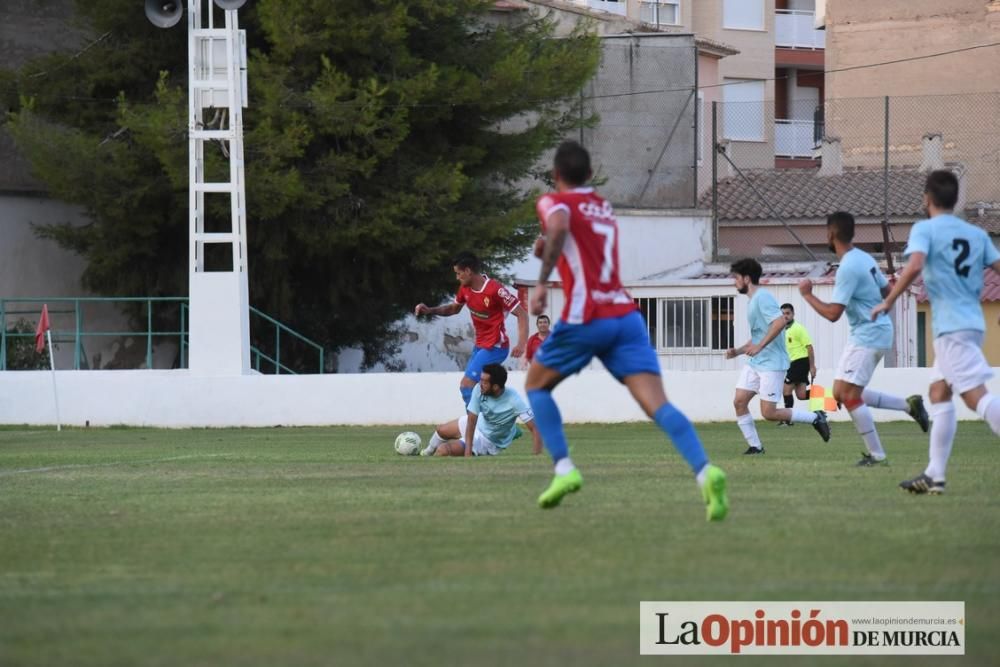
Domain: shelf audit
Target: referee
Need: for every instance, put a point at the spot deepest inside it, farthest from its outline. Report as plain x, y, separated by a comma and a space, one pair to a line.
802, 370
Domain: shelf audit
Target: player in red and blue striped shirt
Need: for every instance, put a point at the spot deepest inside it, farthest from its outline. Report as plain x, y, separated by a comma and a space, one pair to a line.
580, 235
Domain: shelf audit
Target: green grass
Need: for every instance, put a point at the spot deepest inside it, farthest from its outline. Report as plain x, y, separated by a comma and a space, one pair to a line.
322, 546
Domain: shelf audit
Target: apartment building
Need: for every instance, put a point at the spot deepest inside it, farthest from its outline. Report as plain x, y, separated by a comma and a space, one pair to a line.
771, 100
938, 65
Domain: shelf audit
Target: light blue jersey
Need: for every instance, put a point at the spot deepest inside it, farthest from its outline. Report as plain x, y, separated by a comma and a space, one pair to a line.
498, 414
956, 254
762, 312
858, 288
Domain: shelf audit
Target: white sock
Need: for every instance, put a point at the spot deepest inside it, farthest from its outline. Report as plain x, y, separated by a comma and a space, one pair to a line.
876, 399
745, 423
862, 418
433, 444
564, 465
700, 477
803, 416
989, 409
943, 426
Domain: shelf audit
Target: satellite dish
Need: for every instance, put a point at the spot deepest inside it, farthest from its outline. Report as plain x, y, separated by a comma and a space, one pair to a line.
230, 4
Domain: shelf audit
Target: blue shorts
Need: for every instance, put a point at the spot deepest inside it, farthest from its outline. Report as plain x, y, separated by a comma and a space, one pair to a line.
482, 356
621, 343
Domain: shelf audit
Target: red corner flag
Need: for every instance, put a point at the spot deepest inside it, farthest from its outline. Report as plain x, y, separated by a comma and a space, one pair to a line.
43, 326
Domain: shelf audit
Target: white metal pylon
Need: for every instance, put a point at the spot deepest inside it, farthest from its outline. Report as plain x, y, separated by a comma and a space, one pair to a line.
219, 341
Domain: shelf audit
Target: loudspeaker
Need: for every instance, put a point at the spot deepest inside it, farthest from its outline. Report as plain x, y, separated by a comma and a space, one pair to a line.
230, 4
164, 13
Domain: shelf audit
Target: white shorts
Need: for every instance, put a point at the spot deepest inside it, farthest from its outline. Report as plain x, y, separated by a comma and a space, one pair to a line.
768, 384
857, 364
959, 360
480, 445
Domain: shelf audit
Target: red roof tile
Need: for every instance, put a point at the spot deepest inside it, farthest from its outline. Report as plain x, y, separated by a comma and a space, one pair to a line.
802, 193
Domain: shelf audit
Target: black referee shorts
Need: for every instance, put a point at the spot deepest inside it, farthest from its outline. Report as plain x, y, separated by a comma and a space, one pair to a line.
798, 372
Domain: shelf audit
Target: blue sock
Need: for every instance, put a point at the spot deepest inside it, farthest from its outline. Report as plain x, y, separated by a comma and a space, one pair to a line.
549, 423
680, 431
466, 394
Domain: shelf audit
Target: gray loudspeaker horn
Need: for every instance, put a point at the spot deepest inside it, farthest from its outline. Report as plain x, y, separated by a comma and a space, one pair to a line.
164, 13
230, 4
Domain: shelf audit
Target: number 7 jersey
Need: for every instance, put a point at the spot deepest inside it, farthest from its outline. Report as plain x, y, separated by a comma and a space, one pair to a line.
588, 265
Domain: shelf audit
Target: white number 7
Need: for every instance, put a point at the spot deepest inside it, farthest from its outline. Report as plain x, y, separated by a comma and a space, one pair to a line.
608, 232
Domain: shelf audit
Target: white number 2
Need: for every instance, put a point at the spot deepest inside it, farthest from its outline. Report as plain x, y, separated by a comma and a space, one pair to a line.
608, 232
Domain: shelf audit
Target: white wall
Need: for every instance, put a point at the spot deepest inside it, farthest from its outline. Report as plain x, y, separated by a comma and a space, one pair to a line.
649, 242
31, 267
178, 399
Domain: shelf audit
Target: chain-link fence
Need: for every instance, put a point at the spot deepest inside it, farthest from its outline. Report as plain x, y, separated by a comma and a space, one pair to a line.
776, 178
643, 144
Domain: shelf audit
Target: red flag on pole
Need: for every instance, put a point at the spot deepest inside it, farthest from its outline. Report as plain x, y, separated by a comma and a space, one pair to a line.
43, 326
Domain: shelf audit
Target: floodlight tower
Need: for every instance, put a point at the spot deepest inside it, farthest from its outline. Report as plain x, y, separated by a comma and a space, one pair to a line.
219, 338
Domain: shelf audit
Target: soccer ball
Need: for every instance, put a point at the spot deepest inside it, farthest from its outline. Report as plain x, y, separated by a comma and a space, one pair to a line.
407, 444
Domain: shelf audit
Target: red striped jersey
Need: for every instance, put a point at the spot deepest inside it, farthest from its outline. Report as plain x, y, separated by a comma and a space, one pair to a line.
588, 265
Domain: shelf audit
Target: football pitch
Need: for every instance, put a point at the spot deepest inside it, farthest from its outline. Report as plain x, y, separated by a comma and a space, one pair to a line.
321, 546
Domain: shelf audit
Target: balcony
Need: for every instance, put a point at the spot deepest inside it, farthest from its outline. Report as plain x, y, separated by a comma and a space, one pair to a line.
793, 28
611, 7
794, 138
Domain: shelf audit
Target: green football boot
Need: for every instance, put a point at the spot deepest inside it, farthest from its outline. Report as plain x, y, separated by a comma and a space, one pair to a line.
714, 493
560, 486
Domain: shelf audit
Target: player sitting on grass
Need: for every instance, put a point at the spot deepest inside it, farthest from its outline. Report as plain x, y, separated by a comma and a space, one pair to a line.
489, 426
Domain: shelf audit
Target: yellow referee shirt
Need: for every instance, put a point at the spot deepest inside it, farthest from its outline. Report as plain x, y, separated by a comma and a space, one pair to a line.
796, 341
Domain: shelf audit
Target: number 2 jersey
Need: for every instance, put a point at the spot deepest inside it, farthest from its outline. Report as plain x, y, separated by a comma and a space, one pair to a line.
956, 254
588, 265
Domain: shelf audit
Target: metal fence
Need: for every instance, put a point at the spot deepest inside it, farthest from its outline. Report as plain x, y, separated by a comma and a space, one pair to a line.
275, 348
779, 169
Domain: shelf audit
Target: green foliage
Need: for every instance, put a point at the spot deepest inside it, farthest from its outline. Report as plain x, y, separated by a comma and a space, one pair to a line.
379, 143
21, 354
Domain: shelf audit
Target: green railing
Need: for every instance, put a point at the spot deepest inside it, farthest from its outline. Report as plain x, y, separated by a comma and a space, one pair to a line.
259, 359
279, 367
29, 308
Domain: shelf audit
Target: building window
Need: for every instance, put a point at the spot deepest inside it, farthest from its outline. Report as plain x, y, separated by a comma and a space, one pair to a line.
689, 324
648, 308
743, 109
660, 12
723, 328
684, 323
743, 14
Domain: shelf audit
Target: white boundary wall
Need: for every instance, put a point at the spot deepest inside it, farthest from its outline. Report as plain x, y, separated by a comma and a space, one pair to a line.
178, 399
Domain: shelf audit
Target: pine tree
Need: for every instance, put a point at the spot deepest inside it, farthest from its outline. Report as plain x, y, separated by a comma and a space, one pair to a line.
383, 136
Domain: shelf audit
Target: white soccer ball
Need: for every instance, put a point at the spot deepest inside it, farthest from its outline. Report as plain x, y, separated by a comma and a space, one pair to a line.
407, 444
